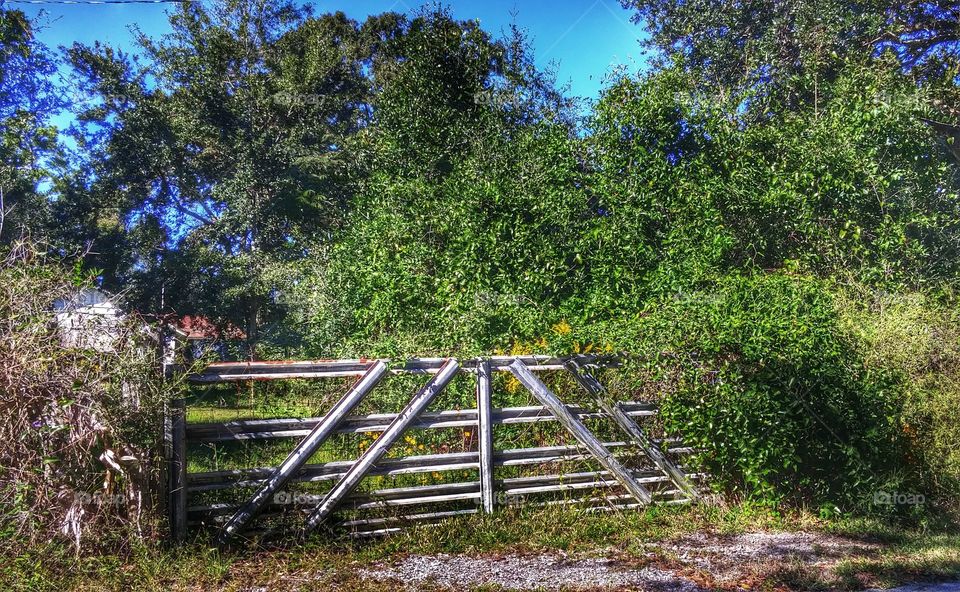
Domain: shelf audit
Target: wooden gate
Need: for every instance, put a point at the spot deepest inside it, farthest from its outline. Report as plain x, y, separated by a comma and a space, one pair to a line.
631, 471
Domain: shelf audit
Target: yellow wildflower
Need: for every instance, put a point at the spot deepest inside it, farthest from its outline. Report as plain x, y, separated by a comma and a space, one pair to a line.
519, 349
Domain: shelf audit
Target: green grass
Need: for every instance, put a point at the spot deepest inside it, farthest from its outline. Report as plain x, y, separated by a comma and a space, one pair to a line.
328, 564
916, 556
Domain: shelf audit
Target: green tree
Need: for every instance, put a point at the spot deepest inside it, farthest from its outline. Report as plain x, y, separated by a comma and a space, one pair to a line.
853, 186
28, 99
745, 43
462, 237
218, 153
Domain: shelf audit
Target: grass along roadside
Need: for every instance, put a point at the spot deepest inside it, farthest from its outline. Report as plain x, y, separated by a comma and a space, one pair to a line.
701, 543
915, 557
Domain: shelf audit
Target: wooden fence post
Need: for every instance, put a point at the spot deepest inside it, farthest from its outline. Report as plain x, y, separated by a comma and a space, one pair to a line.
368, 459
593, 386
302, 453
174, 439
485, 436
177, 470
579, 431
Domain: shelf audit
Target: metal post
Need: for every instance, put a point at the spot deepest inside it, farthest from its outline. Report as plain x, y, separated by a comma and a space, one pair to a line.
485, 436
368, 459
304, 450
579, 431
168, 354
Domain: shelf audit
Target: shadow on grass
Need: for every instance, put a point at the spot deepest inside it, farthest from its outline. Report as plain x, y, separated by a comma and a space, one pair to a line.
927, 558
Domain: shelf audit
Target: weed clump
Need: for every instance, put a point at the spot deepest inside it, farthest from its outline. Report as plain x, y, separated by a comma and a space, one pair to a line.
81, 403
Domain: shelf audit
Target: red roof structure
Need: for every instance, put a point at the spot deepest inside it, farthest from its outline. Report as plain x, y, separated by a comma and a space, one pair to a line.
196, 327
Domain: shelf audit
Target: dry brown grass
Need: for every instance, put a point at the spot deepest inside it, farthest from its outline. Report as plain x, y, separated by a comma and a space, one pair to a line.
80, 429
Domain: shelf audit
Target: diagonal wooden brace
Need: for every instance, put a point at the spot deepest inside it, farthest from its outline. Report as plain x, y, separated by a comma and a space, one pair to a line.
628, 425
368, 459
304, 450
579, 431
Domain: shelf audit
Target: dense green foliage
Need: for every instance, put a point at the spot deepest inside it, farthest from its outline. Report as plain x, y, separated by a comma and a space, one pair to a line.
850, 186
756, 218
785, 47
758, 371
28, 97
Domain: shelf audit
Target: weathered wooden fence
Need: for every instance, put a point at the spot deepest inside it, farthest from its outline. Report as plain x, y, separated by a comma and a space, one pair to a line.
629, 472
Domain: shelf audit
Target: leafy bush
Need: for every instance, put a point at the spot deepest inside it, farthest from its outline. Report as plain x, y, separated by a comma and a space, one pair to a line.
917, 337
759, 374
714, 248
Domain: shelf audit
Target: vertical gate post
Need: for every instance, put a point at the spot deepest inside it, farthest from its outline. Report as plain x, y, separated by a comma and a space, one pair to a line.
177, 470
381, 445
170, 350
302, 453
485, 436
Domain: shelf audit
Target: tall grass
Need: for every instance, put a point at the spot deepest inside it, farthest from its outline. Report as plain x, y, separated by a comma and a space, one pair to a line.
80, 425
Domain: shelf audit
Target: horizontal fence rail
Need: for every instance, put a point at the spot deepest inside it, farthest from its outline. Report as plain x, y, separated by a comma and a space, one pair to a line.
423, 463
467, 490
286, 370
597, 473
262, 429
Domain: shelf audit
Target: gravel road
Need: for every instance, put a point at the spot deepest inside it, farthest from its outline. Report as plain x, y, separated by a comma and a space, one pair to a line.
689, 564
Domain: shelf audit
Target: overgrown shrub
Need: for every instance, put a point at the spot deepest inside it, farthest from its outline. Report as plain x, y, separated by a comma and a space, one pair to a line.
855, 185
759, 374
80, 428
916, 337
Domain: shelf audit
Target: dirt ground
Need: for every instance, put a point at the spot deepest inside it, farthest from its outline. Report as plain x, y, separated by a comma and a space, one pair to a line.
763, 561
689, 564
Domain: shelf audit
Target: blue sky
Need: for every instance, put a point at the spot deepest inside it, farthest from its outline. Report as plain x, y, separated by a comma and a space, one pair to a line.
584, 39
